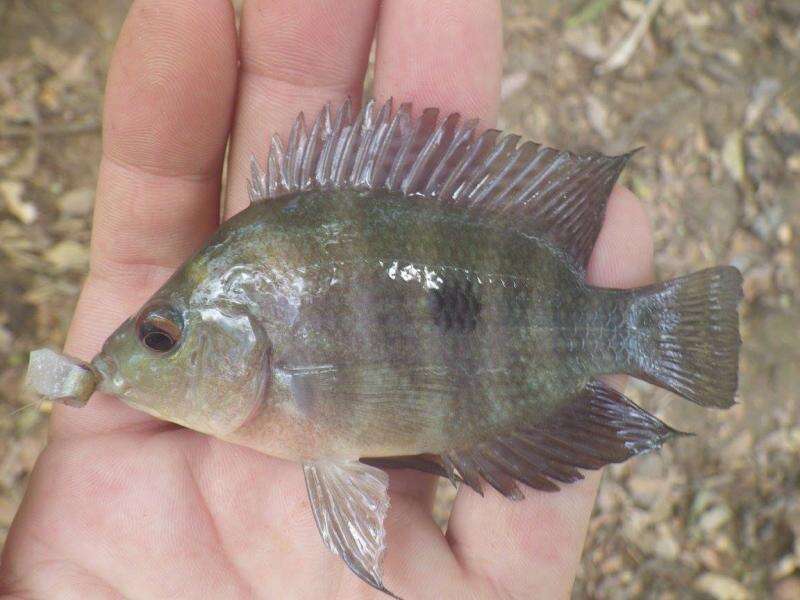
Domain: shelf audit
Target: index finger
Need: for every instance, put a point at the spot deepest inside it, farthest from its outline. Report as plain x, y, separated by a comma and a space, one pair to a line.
295, 56
168, 105
444, 54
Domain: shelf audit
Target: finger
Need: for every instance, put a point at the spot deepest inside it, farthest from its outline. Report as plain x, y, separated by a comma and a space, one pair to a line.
418, 561
295, 56
169, 99
443, 54
446, 55
532, 548
623, 255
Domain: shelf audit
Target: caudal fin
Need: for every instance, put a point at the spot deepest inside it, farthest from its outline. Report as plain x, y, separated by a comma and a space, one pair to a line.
688, 335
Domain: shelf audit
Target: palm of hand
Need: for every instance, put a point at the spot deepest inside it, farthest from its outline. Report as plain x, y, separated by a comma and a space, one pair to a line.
157, 510
120, 504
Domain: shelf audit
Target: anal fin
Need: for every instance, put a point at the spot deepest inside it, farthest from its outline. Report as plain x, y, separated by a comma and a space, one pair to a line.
350, 501
600, 426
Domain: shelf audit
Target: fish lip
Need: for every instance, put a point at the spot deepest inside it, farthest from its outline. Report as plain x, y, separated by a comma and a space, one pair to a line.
104, 366
107, 370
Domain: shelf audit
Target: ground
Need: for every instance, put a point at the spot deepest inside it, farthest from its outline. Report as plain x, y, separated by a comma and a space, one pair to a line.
710, 90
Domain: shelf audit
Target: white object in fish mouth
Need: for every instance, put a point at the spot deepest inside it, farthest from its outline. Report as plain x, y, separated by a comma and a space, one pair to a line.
60, 378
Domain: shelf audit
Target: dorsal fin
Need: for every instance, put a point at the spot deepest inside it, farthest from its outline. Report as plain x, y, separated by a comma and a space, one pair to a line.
554, 194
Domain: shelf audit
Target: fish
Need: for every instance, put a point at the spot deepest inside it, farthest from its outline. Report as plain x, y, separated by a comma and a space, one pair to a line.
410, 292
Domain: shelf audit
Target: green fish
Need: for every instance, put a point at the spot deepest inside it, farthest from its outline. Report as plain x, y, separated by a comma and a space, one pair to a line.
403, 292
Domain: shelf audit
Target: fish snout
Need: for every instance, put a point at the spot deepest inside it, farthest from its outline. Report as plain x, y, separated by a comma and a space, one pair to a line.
109, 377
105, 366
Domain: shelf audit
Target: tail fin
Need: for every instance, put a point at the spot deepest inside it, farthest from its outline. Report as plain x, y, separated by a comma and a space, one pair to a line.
688, 335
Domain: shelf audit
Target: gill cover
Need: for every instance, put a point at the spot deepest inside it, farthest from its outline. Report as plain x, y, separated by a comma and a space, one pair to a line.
229, 367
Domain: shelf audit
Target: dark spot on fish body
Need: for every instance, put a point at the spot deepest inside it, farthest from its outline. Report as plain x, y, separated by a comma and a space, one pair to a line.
455, 305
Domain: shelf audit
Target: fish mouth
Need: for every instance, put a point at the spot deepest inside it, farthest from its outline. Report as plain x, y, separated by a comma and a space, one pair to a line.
104, 366
109, 380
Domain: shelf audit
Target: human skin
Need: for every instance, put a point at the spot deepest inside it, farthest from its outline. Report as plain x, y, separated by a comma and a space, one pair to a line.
123, 505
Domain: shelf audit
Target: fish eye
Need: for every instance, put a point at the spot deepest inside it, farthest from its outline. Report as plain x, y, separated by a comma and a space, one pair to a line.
159, 328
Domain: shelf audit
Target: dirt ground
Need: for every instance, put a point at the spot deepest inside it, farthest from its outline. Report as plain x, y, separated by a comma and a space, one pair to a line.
710, 88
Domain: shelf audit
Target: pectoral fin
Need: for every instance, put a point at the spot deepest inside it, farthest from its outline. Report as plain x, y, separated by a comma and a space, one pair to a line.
350, 501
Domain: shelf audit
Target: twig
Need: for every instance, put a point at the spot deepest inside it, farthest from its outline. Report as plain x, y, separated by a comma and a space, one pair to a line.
624, 51
524, 23
49, 130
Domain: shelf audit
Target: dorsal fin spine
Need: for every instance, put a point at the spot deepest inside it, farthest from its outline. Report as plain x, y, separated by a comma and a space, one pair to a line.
329, 145
273, 167
255, 185
404, 155
437, 159
483, 167
347, 151
310, 154
523, 156
394, 134
505, 151
425, 155
302, 144
459, 136
425, 147
367, 176
473, 154
276, 150
463, 139
292, 151
365, 138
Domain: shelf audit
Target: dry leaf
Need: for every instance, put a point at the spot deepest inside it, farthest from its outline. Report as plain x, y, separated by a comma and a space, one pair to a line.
12, 192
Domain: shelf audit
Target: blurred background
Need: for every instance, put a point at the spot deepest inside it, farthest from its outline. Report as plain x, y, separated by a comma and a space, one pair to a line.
711, 88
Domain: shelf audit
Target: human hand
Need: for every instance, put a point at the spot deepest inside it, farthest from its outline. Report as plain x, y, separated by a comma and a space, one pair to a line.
123, 505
